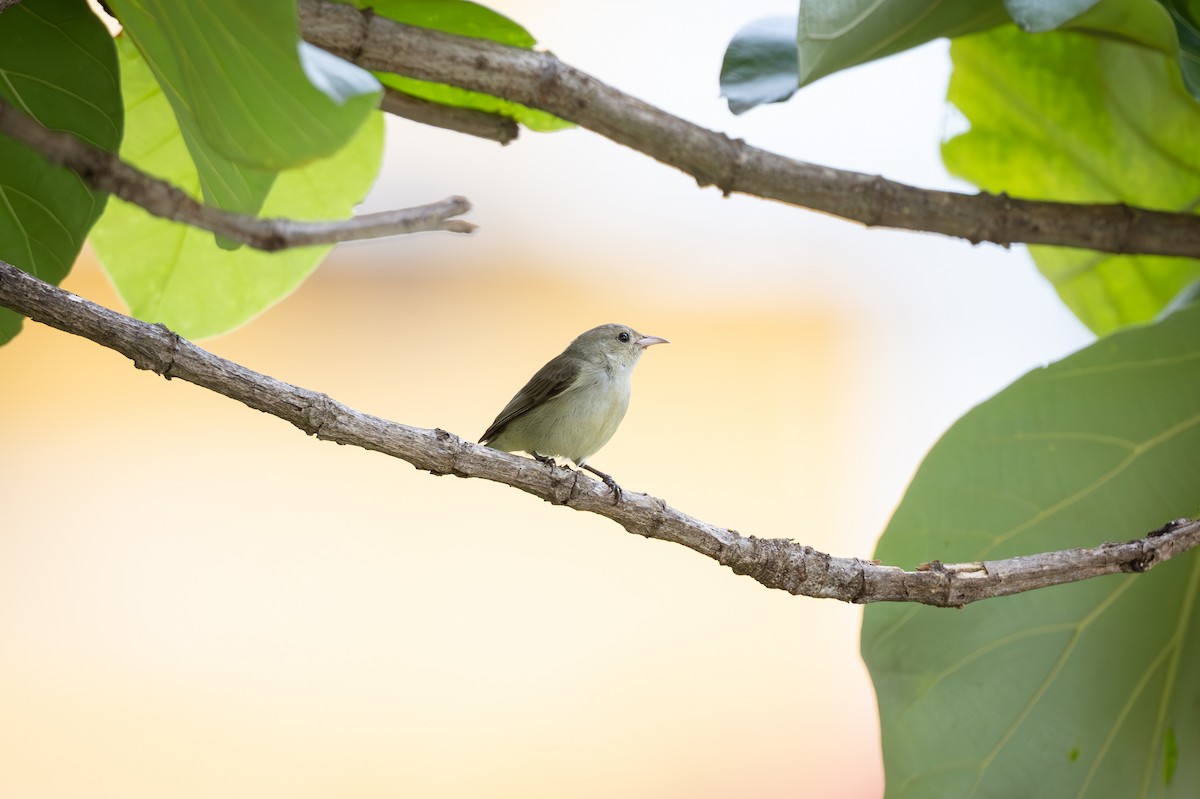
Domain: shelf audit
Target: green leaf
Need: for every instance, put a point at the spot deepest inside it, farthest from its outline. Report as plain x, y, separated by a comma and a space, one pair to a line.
1157, 24
1079, 690
58, 64
464, 19
836, 35
460, 17
175, 274
761, 64
242, 88
1079, 118
1170, 756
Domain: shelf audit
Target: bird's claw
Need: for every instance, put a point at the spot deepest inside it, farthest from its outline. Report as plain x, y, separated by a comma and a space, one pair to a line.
616, 489
608, 481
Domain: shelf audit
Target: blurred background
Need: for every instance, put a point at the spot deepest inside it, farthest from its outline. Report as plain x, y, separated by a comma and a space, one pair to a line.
196, 600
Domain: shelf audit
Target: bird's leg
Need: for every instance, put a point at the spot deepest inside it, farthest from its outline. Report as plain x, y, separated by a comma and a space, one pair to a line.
608, 481
543, 459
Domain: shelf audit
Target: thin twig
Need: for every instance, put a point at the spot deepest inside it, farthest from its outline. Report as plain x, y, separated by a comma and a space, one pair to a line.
540, 80
105, 171
776, 563
464, 120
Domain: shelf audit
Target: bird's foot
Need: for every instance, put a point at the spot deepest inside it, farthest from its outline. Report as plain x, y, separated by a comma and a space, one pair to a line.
543, 459
617, 493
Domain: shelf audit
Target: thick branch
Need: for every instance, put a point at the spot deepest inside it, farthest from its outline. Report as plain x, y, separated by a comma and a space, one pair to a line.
463, 120
776, 563
105, 171
541, 81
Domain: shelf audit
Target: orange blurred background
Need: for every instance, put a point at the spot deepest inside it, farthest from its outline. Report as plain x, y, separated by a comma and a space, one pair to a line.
197, 600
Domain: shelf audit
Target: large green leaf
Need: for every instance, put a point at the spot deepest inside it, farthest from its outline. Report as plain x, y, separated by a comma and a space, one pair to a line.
175, 274
57, 63
769, 59
250, 98
836, 35
463, 18
1080, 690
1079, 118
1162, 25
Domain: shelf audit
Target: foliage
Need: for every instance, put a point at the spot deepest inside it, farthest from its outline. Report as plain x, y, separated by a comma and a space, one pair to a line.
171, 272
1095, 108
58, 64
225, 101
1075, 690
832, 36
1099, 120
249, 102
1080, 689
1085, 689
465, 19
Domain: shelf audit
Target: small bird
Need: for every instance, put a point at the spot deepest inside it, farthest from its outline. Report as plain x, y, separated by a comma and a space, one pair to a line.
574, 403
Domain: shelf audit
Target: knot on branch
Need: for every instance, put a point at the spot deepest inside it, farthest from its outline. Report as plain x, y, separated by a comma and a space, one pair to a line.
1151, 545
659, 520
776, 562
995, 224
1131, 217
319, 412
157, 354
1142, 563
1148, 555
730, 178
564, 489
449, 447
274, 238
878, 198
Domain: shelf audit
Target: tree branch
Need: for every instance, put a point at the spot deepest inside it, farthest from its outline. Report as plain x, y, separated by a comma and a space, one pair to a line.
776, 563
105, 171
541, 81
464, 120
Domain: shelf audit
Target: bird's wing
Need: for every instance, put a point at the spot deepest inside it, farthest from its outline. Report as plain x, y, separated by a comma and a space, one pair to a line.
557, 377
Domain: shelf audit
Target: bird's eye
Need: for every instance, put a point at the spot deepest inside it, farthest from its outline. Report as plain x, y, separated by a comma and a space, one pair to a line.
623, 337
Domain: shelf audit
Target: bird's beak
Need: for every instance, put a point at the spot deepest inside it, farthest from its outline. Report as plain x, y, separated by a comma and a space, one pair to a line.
647, 341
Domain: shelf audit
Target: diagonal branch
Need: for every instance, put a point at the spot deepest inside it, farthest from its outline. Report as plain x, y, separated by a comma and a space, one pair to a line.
541, 81
774, 562
105, 171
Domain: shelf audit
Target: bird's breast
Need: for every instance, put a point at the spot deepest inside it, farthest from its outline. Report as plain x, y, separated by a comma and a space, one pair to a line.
591, 414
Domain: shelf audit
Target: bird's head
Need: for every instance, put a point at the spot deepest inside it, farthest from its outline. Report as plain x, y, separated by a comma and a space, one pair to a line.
619, 343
